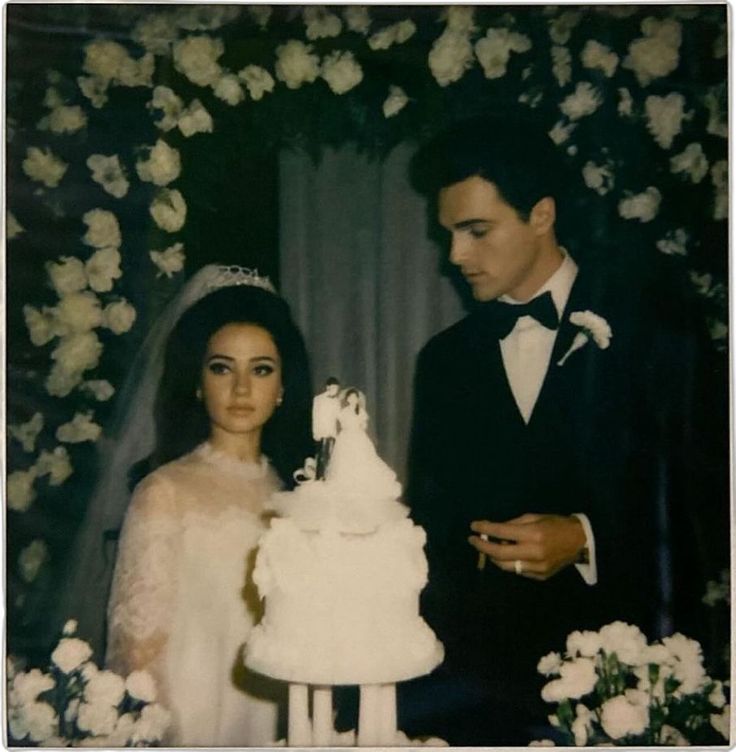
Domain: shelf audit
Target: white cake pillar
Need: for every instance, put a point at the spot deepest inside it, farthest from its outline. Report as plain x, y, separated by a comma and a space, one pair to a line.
387, 714
300, 729
322, 717
368, 718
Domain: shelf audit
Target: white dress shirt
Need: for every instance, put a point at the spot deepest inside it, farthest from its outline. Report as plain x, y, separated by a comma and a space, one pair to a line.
526, 353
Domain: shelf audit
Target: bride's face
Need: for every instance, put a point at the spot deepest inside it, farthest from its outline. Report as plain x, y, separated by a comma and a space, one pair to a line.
241, 379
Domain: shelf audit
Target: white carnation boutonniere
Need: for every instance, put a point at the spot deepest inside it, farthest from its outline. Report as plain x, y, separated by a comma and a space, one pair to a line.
592, 326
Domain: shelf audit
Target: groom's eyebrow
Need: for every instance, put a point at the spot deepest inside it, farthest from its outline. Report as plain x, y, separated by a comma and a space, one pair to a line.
468, 222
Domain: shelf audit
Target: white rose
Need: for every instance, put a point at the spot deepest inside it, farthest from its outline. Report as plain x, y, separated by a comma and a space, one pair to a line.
664, 117
104, 58
228, 89
549, 664
163, 165
80, 428
674, 243
169, 210
67, 119
195, 119
99, 719
103, 230
620, 718
108, 172
78, 352
13, 227
100, 389
692, 161
95, 89
599, 57
395, 101
70, 654
341, 72
170, 105
19, 489
119, 316
31, 559
585, 643
642, 206
27, 433
28, 685
156, 32
141, 686
152, 724
320, 23
296, 64
585, 100
257, 80
43, 167
196, 57
494, 50
102, 267
451, 55
170, 261
625, 640
657, 53
78, 312
598, 177
55, 464
104, 688
561, 65
357, 18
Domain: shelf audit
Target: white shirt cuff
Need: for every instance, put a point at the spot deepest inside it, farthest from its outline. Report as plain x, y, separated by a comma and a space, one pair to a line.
589, 571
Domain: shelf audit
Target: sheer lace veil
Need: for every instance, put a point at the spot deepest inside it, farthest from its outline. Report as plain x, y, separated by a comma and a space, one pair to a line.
85, 590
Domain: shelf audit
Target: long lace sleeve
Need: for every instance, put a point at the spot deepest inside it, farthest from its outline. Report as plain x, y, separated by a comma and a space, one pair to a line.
144, 585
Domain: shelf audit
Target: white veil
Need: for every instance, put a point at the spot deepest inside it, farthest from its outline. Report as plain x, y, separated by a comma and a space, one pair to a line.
132, 438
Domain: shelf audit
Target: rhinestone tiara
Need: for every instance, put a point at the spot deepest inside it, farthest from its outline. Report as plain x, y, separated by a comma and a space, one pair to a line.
230, 276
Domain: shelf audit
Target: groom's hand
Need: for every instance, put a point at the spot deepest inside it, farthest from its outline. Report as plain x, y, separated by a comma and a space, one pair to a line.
533, 545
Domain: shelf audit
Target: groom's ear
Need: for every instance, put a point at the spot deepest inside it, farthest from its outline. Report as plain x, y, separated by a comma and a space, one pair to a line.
542, 216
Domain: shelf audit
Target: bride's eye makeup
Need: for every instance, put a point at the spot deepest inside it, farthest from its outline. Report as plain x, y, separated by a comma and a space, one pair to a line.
218, 367
264, 369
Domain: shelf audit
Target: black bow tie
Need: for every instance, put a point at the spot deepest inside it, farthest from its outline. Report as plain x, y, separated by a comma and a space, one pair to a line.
502, 317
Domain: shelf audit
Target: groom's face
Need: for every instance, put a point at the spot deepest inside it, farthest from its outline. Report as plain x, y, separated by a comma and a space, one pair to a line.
497, 252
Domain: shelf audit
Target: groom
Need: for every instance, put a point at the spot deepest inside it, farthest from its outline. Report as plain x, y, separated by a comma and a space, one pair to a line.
562, 445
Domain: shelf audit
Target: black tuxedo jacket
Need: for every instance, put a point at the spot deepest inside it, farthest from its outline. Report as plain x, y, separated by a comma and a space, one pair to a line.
623, 434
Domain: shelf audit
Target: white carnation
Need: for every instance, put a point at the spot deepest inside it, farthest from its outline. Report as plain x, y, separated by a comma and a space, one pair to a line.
28, 685
27, 433
108, 172
77, 313
104, 59
137, 72
196, 57
141, 686
41, 325
119, 316
625, 640
674, 243
550, 664
103, 230
722, 723
561, 65
584, 101
357, 18
56, 465
598, 177
169, 210
152, 724
717, 698
195, 119
494, 50
67, 275
719, 178
80, 428
561, 27
53, 99
296, 64
170, 105
460, 18
170, 261
642, 206
585, 643
60, 382
67, 119
625, 102
577, 678
397, 33
13, 228
98, 719
70, 654
621, 718
451, 55
102, 268
163, 165
664, 117
582, 726
561, 132
156, 32
395, 101
257, 80
19, 489
104, 688
100, 389
687, 663
95, 89
43, 167
341, 71
228, 89
715, 101
320, 22
205, 17
692, 161
657, 53
599, 57
40, 720
78, 352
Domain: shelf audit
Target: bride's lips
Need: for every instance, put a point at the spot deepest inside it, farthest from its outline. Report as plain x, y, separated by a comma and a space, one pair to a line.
240, 409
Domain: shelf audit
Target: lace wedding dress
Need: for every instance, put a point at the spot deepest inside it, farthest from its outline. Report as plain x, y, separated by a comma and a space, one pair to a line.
183, 601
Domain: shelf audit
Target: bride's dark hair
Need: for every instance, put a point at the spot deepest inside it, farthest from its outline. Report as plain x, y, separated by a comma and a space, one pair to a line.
181, 420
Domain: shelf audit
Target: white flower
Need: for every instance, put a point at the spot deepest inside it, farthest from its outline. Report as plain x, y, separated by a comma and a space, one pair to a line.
67, 276
451, 55
260, 14
169, 261
460, 18
357, 18
102, 267
70, 654
692, 162
716, 697
395, 101
41, 326
582, 725
27, 433
89, 670
31, 560
39, 720
169, 210
13, 227
227, 88
598, 177
67, 119
28, 685
577, 678
156, 32
642, 206
585, 643
560, 132
206, 16
108, 172
103, 230
79, 428
561, 65
141, 686
119, 316
541, 743
70, 627
78, 312
664, 117
162, 166
320, 22
137, 72
715, 101
719, 178
593, 327
625, 640
98, 719
257, 80
104, 688
19, 489
687, 663
95, 89
599, 57
561, 27
152, 724
60, 381
657, 53
550, 664
43, 167
100, 389
341, 71
722, 722
585, 100
625, 102
196, 57
52, 98
195, 119
78, 352
621, 718
397, 33
55, 464
104, 59
674, 243
296, 64
169, 103
494, 50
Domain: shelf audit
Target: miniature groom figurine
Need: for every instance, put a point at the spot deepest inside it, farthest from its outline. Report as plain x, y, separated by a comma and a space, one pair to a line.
325, 408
